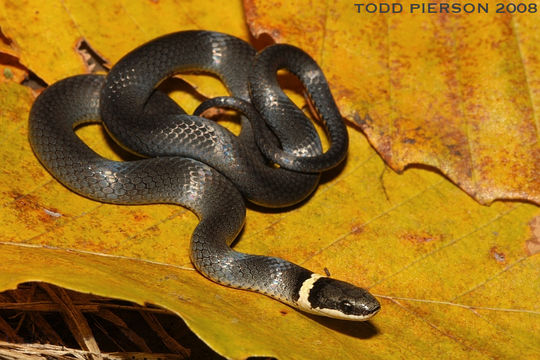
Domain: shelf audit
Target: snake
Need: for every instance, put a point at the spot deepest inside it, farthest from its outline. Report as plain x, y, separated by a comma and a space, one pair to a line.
191, 161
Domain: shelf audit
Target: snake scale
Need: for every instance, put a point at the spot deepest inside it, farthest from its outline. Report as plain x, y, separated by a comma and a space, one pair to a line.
194, 162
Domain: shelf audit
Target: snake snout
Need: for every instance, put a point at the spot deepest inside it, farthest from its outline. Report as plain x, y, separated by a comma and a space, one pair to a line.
370, 305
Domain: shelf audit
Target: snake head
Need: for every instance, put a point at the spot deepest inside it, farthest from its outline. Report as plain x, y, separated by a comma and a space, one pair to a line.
337, 299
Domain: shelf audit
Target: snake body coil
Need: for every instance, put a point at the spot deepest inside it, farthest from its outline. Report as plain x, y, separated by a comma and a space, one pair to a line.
194, 162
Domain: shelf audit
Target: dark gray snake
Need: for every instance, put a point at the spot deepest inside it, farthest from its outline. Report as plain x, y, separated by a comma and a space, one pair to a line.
194, 162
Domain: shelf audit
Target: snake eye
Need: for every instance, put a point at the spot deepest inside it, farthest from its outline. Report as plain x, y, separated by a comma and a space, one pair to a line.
346, 307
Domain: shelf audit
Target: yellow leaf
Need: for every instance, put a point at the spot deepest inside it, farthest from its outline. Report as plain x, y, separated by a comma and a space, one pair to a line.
456, 92
456, 279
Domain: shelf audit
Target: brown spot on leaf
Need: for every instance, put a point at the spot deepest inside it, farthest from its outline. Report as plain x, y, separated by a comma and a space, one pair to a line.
357, 229
30, 211
408, 141
14, 194
283, 312
498, 255
532, 246
26, 203
140, 216
420, 238
154, 230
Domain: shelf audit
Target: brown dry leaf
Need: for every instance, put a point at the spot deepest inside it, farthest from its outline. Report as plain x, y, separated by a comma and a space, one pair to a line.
10, 69
455, 279
457, 92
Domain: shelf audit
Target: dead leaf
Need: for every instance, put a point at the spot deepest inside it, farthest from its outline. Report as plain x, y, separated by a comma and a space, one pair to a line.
456, 92
11, 69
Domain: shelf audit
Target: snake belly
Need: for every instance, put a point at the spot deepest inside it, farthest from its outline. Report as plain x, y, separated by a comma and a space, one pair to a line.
193, 162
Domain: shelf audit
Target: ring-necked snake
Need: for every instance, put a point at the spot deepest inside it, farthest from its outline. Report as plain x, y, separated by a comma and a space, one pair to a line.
191, 161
